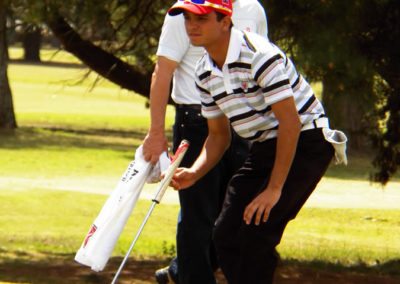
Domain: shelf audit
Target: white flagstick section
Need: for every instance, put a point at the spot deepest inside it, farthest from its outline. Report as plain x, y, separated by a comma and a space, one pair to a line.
180, 153
99, 243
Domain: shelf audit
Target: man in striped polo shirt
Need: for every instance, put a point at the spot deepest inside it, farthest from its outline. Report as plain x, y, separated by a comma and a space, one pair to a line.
201, 203
249, 83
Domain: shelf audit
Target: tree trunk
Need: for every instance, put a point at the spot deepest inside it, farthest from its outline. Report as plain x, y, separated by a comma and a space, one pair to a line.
31, 42
347, 107
105, 64
7, 116
387, 142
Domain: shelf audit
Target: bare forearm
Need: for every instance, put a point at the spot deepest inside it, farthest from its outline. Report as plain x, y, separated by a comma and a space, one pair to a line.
218, 140
212, 152
160, 89
285, 151
155, 141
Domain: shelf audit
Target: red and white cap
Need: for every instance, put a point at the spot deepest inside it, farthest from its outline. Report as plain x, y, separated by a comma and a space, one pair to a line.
201, 7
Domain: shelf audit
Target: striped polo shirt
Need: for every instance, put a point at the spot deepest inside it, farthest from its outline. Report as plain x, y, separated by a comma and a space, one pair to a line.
256, 74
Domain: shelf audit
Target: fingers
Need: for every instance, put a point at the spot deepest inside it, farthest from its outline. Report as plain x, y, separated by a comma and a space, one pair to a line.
183, 178
178, 180
257, 211
153, 147
175, 184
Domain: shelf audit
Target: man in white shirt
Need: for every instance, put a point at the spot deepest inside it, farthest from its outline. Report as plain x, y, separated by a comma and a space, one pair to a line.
201, 204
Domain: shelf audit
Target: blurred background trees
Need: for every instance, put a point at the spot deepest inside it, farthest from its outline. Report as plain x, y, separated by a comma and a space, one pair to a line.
7, 116
352, 48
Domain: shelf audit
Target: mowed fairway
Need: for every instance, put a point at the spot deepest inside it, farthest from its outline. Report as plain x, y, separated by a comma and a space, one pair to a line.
74, 142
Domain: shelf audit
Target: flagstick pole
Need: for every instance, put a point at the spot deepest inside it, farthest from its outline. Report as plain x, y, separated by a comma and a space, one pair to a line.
134, 242
179, 154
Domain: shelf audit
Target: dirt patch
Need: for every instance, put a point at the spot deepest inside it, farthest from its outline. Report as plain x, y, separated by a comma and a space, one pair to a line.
62, 271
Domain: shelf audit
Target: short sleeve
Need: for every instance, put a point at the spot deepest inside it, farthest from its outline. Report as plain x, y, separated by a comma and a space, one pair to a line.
209, 109
174, 41
270, 74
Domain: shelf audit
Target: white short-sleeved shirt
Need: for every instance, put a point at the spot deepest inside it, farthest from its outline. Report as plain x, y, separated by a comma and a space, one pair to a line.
256, 74
174, 44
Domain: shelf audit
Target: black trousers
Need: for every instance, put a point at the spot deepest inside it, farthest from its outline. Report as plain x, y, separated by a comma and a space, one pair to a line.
201, 204
247, 253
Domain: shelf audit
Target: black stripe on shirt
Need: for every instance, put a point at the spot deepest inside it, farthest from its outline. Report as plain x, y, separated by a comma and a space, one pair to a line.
248, 91
276, 86
296, 82
307, 104
239, 65
256, 135
220, 96
243, 115
202, 89
249, 114
204, 75
266, 64
212, 104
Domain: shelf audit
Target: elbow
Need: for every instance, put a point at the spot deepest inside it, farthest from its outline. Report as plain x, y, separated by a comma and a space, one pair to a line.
297, 127
228, 141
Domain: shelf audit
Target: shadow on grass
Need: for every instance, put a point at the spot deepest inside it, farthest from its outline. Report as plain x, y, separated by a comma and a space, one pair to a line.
63, 269
27, 138
391, 267
49, 63
58, 138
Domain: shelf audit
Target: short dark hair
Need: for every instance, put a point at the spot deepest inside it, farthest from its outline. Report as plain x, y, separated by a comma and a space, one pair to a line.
220, 16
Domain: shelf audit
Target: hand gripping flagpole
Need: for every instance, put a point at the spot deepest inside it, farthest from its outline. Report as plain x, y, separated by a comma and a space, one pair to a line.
176, 160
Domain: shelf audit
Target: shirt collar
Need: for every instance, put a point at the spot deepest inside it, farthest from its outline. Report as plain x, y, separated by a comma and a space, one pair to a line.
235, 44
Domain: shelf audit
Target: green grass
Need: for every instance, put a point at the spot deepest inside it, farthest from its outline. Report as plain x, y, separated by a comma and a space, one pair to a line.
49, 154
58, 226
49, 96
56, 222
343, 236
51, 55
58, 96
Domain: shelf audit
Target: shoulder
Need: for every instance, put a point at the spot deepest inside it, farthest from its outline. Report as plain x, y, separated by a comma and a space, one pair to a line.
258, 43
248, 6
264, 52
174, 22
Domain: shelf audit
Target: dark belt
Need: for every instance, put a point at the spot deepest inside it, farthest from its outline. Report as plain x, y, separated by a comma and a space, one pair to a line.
188, 107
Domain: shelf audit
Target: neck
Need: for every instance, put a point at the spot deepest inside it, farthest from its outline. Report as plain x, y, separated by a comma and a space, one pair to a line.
219, 50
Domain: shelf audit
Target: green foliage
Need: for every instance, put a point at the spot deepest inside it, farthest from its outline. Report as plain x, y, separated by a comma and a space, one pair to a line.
351, 46
120, 27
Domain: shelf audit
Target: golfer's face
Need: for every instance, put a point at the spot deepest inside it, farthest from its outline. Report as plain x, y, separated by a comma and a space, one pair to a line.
203, 30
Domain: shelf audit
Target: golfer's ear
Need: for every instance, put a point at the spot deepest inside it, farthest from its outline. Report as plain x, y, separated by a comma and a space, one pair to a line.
227, 21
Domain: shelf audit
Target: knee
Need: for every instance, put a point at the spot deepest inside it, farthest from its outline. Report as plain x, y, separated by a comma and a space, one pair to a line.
220, 237
217, 235
253, 239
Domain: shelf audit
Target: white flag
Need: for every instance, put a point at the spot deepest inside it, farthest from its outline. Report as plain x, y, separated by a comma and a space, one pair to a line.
99, 243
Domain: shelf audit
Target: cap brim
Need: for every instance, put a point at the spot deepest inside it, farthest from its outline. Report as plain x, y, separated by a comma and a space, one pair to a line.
181, 6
